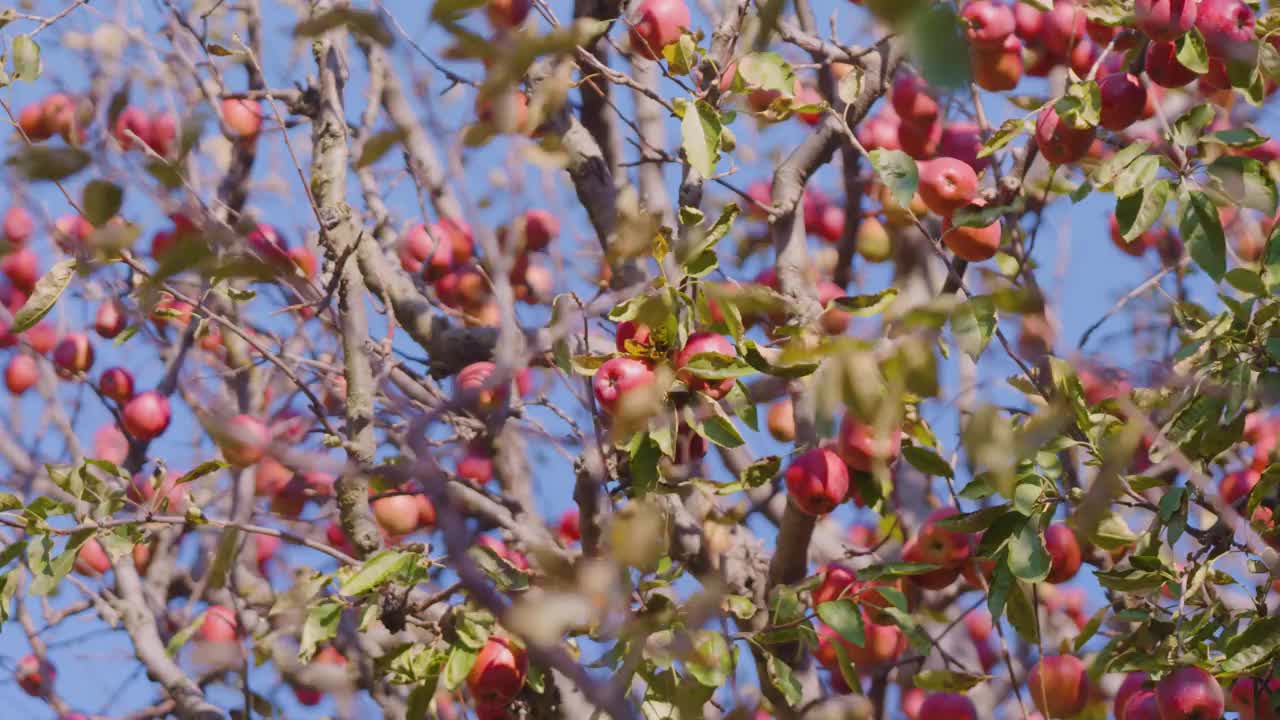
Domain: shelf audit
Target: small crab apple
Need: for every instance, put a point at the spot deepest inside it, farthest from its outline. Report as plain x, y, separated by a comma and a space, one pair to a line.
862, 445
1165, 20
1124, 99
242, 117
22, 268
146, 415
1001, 69
109, 321
617, 379
396, 514
21, 374
963, 141
1190, 693
1064, 553
91, 559
131, 121
697, 344
947, 184
117, 384
35, 676
73, 355
817, 481
219, 626
499, 671
31, 120
920, 140
163, 131
42, 338
476, 464
948, 706
1058, 141
17, 225
473, 386
506, 14
244, 440
781, 421
540, 228
657, 24
1059, 685
911, 100
974, 244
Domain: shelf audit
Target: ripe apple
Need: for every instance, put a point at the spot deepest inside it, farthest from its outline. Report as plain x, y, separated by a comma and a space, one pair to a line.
1228, 29
637, 333
131, 120
951, 706
861, 445
1164, 68
1060, 143
244, 440
817, 481
91, 559
910, 703
979, 625
163, 131
1064, 28
657, 24
878, 132
781, 422
830, 225
22, 268
1189, 693
989, 23
73, 355
942, 546
472, 387
35, 676
1028, 21
110, 444
42, 338
1064, 551
1251, 701
1133, 683
947, 184
506, 14
242, 117
219, 626
269, 243
1142, 706
334, 535
918, 140
884, 644
476, 465
962, 141
146, 416
117, 384
110, 319
697, 344
264, 549
415, 247
569, 529
933, 579
17, 226
499, 671
1137, 248
1059, 685
999, 69
304, 260
1124, 99
514, 557
540, 228
70, 233
617, 378
1165, 20
31, 120
142, 491
911, 100
1237, 485
396, 514
21, 374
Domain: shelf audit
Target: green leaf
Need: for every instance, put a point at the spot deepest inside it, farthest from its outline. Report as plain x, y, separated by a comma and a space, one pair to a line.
866, 305
377, 146
1137, 176
1246, 182
47, 291
937, 45
1253, 647
1004, 135
9, 501
682, 56
898, 172
1242, 137
1021, 613
1246, 281
916, 635
973, 324
948, 681
320, 627
721, 431
1108, 170
845, 618
1187, 129
101, 201
207, 467
981, 216
1090, 628
1028, 559
360, 22
1138, 212
1081, 107
927, 461
9, 583
1192, 52
375, 571
26, 59
761, 471
766, 71
505, 576
461, 659
717, 366
975, 521
1201, 229
451, 11
1271, 260
48, 162
183, 636
700, 138
781, 677
711, 662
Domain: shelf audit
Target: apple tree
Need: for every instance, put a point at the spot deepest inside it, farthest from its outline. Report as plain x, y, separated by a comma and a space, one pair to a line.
644, 359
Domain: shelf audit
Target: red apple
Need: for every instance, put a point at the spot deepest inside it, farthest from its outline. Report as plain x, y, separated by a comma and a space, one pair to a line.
141, 490
514, 557
1142, 706
163, 131
697, 344
117, 384
21, 374
32, 122
947, 184
499, 671
110, 444
244, 440
1124, 99
1237, 485
70, 233
1189, 693
1164, 68
617, 378
1133, 683
1064, 28
1059, 685
476, 465
657, 24
951, 706
35, 676
540, 228
264, 549
242, 117
110, 319
396, 514
17, 226
637, 333
817, 481
22, 268
781, 422
73, 355
1251, 701
962, 141
219, 626
942, 546
862, 445
1064, 551
1165, 20
472, 386
270, 244
569, 528
131, 120
1227, 27
304, 260
506, 14
91, 559
932, 579
911, 100
42, 338
146, 416
989, 23
1060, 143
878, 132
979, 625
910, 703
920, 141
